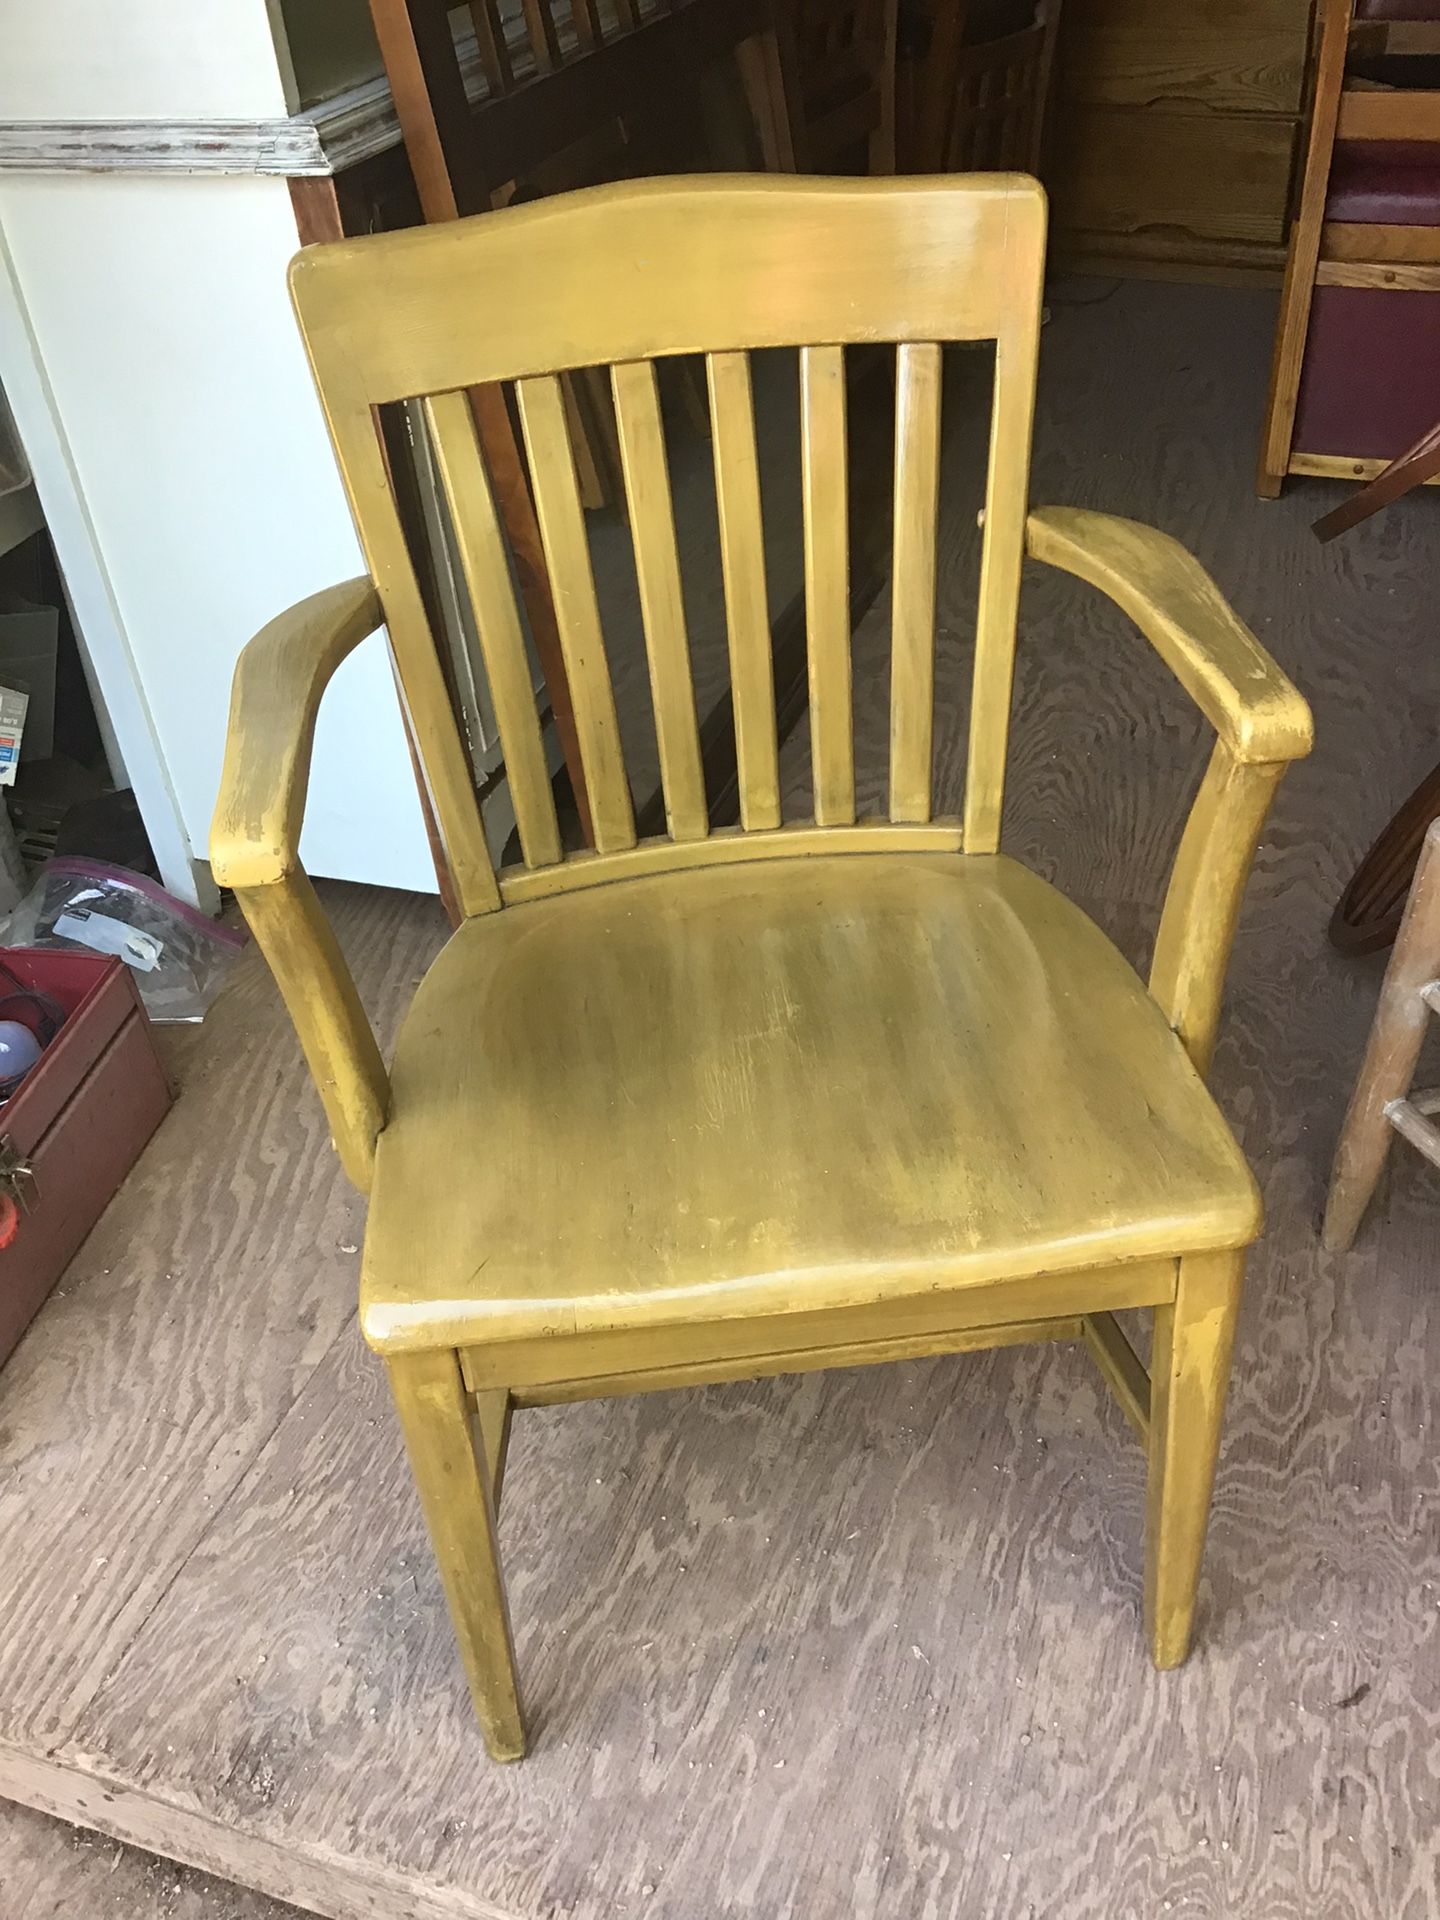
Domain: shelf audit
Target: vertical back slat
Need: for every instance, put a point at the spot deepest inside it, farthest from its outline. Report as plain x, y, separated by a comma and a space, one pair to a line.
540, 28
491, 43
742, 560
1002, 554
662, 606
827, 582
486, 566
912, 619
417, 661
577, 612
586, 23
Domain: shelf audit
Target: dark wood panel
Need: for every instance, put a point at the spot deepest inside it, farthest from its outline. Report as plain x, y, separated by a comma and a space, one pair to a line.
1211, 176
1228, 57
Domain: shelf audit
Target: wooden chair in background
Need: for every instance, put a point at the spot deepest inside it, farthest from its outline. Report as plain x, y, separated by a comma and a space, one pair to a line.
975, 84
685, 1109
1359, 322
845, 67
480, 117
1383, 1104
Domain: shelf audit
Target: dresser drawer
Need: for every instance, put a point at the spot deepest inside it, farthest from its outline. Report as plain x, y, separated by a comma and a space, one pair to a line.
1217, 177
1235, 56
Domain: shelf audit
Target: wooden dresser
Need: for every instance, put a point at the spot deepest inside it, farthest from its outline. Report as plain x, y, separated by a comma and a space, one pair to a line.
1176, 132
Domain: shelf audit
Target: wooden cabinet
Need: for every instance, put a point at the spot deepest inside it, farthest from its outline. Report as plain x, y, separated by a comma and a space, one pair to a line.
1176, 130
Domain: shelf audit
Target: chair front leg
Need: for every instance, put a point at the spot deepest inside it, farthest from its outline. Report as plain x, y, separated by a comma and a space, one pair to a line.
1189, 1374
455, 1486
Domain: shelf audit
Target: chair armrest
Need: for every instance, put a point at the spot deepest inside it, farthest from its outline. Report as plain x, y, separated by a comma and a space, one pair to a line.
255, 849
279, 680
1261, 720
1254, 708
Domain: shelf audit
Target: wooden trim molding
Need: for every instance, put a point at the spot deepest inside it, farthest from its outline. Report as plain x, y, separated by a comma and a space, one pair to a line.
322, 141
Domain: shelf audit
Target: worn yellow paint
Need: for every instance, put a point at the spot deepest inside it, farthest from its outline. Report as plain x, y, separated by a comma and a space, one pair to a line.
662, 606
651, 268
824, 487
933, 1321
577, 611
736, 1102
1002, 547
1252, 706
1189, 1376
742, 565
255, 848
486, 566
280, 678
919, 375
691, 1173
456, 1486
1261, 721
763, 1366
1122, 1367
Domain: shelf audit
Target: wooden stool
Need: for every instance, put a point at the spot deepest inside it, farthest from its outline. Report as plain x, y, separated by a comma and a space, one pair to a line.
1382, 1103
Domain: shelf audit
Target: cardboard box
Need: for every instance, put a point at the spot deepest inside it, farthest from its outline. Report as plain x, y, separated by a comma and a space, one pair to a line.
29, 644
78, 1123
13, 706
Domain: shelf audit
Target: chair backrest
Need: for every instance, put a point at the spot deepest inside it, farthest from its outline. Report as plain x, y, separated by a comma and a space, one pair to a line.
997, 99
623, 276
845, 68
546, 91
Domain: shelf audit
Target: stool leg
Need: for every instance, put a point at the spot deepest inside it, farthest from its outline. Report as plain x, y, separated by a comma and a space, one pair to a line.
1390, 1054
454, 1485
1189, 1375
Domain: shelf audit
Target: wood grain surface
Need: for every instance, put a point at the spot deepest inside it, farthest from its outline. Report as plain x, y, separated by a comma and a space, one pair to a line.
864, 1643
49, 1871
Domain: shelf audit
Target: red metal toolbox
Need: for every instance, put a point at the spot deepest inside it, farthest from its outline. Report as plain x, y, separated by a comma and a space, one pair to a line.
76, 1126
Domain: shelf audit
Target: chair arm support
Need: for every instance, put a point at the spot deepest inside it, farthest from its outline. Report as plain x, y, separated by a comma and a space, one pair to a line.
279, 680
1254, 708
1261, 720
255, 849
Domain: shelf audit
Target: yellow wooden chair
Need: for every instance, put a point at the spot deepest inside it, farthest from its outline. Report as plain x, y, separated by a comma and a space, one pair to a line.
727, 1104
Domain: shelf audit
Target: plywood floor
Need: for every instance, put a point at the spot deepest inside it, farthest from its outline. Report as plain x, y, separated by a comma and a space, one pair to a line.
864, 1644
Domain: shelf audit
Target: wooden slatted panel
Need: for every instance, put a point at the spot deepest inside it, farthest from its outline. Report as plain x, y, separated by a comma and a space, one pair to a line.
1003, 551
742, 559
540, 26
577, 613
486, 564
827, 582
417, 663
919, 373
490, 40
657, 567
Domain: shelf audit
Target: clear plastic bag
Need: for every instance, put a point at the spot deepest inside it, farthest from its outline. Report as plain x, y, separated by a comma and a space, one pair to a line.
178, 956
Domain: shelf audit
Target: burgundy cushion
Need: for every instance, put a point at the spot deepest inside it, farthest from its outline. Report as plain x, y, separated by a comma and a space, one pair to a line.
1393, 182
1371, 381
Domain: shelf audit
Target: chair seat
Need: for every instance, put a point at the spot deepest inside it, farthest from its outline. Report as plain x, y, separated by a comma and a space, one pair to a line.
780, 1085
